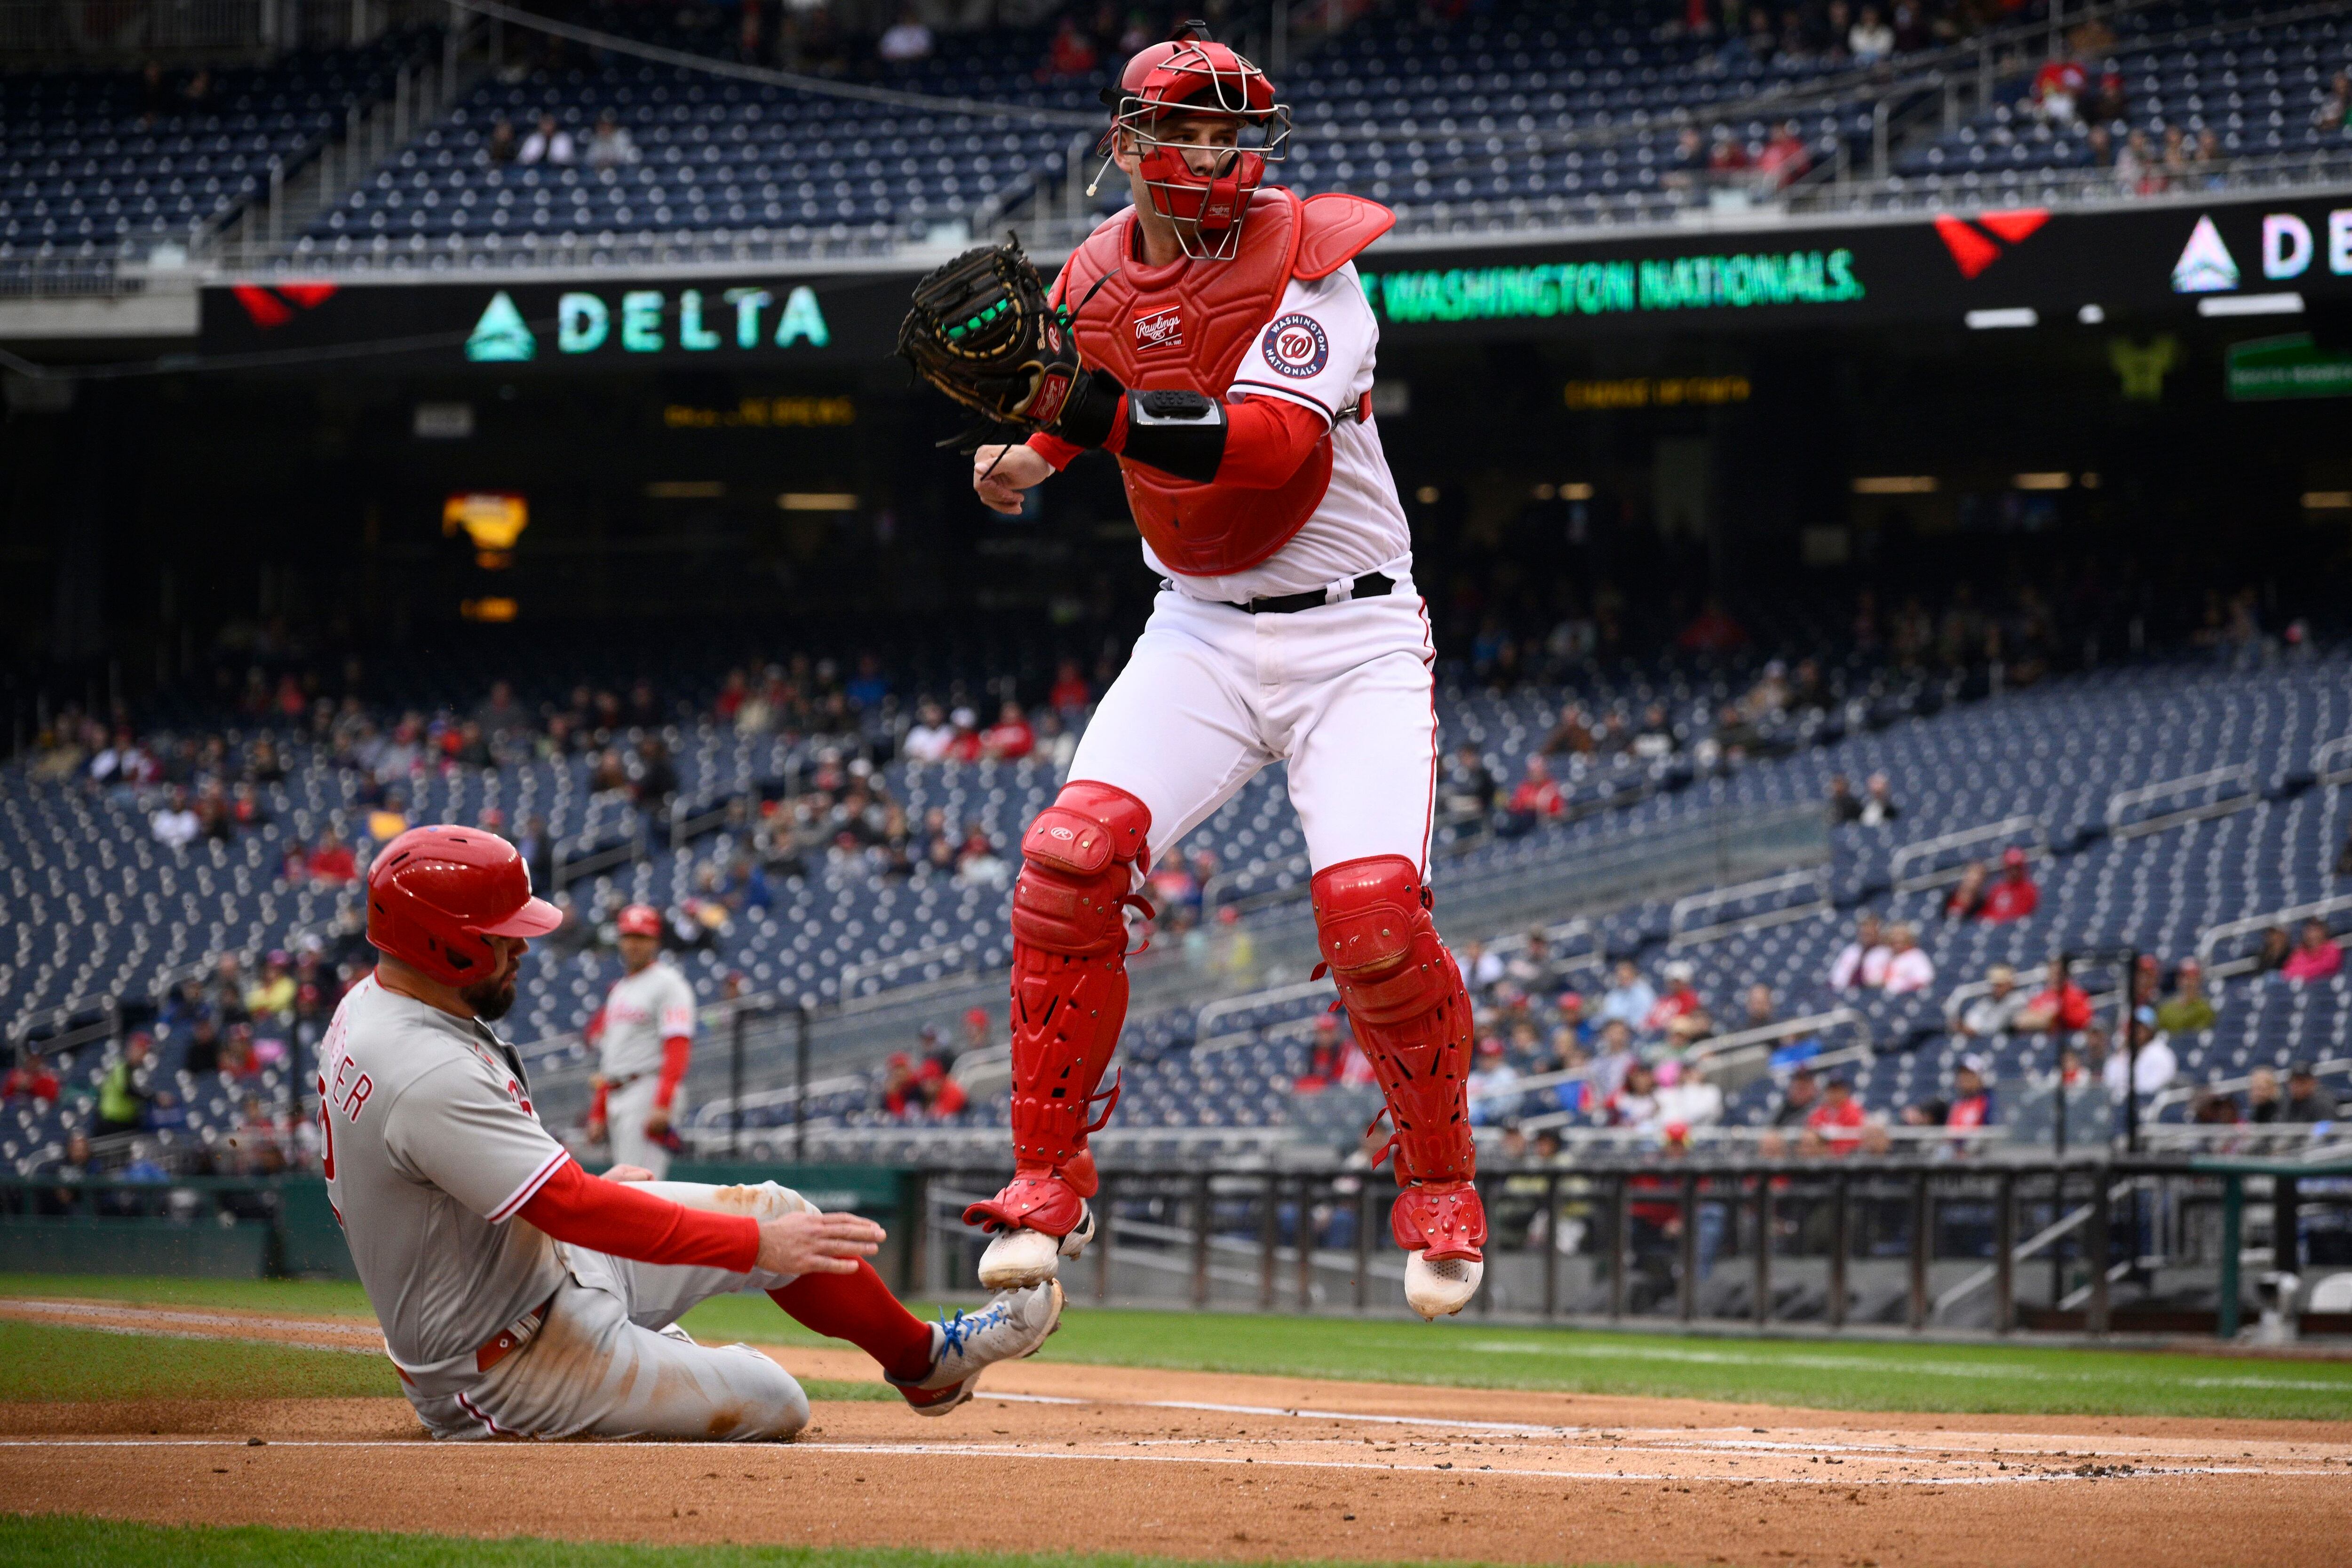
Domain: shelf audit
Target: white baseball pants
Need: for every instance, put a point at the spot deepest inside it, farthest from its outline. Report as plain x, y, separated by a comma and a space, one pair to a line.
609, 1361
1343, 693
626, 1109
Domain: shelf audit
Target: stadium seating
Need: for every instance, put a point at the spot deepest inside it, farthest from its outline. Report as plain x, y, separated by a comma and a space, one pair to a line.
729, 161
84, 170
2255, 87
99, 908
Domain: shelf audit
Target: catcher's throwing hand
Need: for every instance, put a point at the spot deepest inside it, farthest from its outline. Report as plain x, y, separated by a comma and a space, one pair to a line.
817, 1243
998, 475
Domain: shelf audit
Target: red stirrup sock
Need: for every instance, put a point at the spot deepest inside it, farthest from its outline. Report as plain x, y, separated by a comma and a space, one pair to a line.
860, 1309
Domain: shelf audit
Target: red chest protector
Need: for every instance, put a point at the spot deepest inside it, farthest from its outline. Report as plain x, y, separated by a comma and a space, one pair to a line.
1185, 327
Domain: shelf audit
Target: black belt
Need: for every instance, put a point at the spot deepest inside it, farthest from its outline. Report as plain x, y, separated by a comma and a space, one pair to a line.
1371, 585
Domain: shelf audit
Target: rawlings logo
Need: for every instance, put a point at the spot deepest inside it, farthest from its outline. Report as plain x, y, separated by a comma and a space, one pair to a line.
1295, 345
1060, 832
1161, 329
1046, 402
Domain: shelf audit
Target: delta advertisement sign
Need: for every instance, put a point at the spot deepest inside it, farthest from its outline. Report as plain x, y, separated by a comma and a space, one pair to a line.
2007, 267
627, 322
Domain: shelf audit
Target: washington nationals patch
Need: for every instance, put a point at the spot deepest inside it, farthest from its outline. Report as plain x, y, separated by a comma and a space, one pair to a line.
1295, 345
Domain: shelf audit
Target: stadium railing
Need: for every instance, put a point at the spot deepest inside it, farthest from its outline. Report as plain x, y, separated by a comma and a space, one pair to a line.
2120, 1245
2033, 831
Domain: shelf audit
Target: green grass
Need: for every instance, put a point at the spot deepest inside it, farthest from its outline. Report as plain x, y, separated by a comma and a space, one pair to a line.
67, 1541
307, 1297
1850, 1374
44, 1364
38, 1362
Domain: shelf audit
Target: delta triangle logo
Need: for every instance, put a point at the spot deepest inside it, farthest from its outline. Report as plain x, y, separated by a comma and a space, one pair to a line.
1977, 242
501, 336
2205, 263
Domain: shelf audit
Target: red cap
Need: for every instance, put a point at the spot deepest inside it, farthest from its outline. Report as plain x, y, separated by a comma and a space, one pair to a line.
641, 920
2012, 857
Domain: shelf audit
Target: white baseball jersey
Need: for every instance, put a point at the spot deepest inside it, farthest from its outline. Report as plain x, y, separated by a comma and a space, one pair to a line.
431, 1147
641, 1011
1319, 350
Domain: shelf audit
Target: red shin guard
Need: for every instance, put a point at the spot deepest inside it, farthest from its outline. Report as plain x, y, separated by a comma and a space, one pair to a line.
1404, 996
860, 1309
1079, 861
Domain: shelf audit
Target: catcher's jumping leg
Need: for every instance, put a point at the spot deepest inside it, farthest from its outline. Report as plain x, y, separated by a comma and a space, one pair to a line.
1412, 1015
1079, 861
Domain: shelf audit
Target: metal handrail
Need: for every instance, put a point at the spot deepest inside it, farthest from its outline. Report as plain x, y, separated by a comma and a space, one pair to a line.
1961, 995
2339, 746
2165, 1099
1716, 1050
2123, 800
2213, 936
1817, 878
2049, 1235
967, 949
1273, 996
1927, 849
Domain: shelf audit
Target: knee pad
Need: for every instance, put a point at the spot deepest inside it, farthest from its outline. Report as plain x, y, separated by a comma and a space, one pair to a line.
1079, 861
1372, 920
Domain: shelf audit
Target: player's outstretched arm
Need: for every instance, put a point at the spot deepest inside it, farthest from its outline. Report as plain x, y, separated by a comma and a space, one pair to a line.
998, 475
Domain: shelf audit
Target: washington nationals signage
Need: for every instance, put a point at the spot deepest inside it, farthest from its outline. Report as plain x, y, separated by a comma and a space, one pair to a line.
2018, 267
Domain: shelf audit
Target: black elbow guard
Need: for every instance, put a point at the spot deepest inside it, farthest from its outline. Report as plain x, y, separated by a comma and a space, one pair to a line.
1182, 433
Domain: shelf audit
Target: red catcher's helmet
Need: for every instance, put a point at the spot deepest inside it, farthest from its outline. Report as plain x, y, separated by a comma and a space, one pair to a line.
436, 895
1198, 76
641, 920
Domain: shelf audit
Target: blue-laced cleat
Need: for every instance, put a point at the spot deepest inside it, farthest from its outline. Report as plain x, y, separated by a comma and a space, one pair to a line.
1013, 1325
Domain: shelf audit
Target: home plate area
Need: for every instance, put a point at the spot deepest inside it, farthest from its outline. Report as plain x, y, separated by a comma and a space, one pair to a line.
1079, 1459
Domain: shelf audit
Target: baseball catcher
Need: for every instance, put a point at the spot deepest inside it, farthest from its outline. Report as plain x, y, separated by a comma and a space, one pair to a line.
522, 1297
1215, 340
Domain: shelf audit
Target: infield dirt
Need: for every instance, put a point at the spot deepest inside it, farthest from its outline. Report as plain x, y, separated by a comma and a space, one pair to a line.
1224, 1466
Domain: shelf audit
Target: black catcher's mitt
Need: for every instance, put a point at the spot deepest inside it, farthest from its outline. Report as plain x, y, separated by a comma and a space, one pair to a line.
982, 331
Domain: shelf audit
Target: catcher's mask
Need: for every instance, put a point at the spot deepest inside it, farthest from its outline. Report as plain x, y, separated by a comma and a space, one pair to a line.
1197, 75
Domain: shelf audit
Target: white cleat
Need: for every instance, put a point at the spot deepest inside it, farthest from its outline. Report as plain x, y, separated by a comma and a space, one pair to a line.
1017, 1259
1011, 1326
1440, 1288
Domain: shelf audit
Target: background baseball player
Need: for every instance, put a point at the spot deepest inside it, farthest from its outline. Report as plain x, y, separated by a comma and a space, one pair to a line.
644, 1036
1229, 355
521, 1296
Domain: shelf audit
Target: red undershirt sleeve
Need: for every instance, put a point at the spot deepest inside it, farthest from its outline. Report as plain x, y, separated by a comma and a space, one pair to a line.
614, 1217
1266, 438
675, 1050
596, 1104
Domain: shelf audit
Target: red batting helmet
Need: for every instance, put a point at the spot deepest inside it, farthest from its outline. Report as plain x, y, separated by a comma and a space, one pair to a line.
641, 920
437, 894
1198, 76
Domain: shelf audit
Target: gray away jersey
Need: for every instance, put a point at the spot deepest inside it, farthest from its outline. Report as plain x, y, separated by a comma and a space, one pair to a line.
431, 1146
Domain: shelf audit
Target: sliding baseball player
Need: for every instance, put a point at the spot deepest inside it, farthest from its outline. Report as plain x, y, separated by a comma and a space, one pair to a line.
521, 1296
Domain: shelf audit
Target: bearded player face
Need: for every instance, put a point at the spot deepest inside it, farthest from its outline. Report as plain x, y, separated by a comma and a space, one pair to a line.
493, 997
